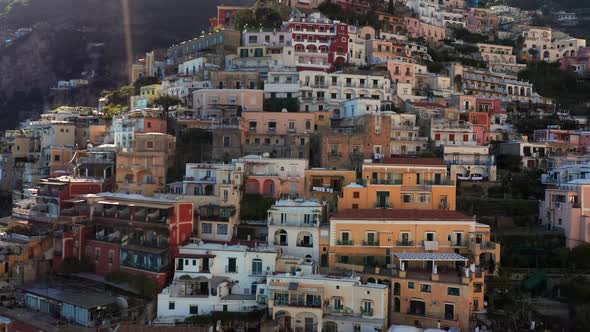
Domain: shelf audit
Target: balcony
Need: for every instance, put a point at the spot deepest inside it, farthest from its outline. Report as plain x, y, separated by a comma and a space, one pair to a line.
374, 243
152, 243
156, 268
298, 303
405, 243
304, 245
345, 242
280, 243
231, 269
367, 312
383, 205
386, 181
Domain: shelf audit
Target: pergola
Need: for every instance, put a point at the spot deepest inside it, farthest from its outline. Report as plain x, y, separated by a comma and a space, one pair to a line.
429, 256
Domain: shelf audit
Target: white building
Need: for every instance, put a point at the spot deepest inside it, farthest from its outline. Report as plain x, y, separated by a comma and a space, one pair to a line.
191, 67
360, 107
282, 84
214, 277
549, 46
313, 303
470, 163
566, 173
321, 91
294, 225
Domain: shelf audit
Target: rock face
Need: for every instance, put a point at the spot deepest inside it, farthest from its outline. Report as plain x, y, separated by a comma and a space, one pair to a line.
64, 40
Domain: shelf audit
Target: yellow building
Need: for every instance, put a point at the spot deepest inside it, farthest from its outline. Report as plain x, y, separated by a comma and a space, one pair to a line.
326, 185
434, 261
402, 183
142, 169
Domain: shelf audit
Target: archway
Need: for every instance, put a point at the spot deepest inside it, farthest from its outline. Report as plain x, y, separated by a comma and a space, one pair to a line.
305, 239
284, 321
280, 238
307, 321
268, 187
252, 186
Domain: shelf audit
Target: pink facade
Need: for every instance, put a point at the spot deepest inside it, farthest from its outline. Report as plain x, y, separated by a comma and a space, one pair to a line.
579, 63
418, 29
563, 209
275, 177
224, 14
401, 72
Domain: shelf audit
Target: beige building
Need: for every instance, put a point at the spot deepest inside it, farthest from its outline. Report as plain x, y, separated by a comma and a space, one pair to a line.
315, 303
470, 163
142, 168
214, 190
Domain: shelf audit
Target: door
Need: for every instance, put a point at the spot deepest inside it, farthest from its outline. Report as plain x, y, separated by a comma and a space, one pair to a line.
449, 311
437, 178
180, 264
231, 265
205, 266
458, 239
309, 325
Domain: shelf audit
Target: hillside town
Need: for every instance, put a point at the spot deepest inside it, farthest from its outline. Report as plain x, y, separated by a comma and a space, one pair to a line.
313, 166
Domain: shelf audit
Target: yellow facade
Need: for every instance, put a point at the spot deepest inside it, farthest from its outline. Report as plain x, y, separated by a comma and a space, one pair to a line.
373, 242
402, 183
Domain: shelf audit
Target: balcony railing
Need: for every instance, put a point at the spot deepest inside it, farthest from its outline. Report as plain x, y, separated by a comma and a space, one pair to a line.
305, 245
345, 242
371, 243
229, 269
297, 303
367, 312
383, 205
280, 243
405, 243
145, 267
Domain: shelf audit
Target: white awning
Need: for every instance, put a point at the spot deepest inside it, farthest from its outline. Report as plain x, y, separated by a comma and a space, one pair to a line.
429, 256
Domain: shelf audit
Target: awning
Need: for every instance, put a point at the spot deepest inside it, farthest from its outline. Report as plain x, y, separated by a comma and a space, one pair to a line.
138, 204
74, 200
429, 256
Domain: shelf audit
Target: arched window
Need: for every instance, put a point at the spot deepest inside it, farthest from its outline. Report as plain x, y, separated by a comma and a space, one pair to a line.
397, 289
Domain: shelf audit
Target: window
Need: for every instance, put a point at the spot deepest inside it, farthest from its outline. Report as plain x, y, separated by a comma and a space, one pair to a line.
453, 291
337, 303
272, 126
206, 228
408, 198
222, 229
150, 145
424, 198
57, 157
256, 266
193, 310
226, 141
334, 149
356, 328
355, 206
437, 137
410, 285
232, 265
477, 287
452, 137
430, 236
171, 305
97, 254
345, 238
111, 256
426, 288
356, 194
307, 125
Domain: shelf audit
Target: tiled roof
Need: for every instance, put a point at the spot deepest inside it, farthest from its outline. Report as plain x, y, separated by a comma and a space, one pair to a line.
412, 161
398, 214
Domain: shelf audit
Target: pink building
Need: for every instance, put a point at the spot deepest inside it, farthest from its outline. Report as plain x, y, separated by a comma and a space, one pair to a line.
279, 178
563, 209
225, 13
320, 43
579, 63
280, 134
402, 70
212, 103
417, 29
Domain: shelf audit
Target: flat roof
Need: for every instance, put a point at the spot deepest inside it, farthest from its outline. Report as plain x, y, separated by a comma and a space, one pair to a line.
429, 256
398, 214
79, 297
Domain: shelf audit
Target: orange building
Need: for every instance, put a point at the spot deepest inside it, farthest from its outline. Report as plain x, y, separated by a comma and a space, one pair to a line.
326, 185
401, 183
434, 261
142, 169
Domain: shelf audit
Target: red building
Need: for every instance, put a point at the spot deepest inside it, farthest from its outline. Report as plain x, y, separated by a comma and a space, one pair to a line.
130, 233
55, 195
224, 14
319, 42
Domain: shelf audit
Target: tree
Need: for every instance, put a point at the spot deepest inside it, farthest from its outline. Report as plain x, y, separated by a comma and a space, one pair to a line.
533, 53
166, 102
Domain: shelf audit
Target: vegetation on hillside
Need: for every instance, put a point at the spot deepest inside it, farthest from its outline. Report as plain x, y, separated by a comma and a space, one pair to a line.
549, 81
138, 282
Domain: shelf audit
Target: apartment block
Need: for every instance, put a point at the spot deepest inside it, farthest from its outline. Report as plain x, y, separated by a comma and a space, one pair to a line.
433, 261
214, 190
470, 163
276, 177
401, 183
